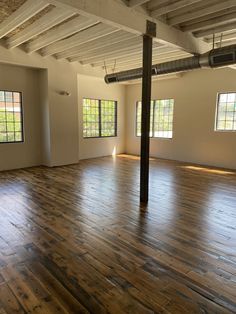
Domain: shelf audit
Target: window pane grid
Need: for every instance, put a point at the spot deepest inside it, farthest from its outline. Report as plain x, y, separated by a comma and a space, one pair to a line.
10, 117
99, 118
108, 118
226, 112
161, 118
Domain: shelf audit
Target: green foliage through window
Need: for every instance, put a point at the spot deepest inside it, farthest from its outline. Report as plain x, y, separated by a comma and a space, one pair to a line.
99, 118
161, 118
11, 129
226, 112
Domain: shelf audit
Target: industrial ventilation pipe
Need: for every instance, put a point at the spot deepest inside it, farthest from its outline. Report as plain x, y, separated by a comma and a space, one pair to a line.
213, 59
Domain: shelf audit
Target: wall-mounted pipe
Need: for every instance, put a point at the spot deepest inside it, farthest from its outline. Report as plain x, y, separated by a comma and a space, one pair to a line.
213, 59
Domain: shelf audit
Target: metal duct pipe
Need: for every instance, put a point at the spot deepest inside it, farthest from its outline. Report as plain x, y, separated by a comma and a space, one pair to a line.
214, 58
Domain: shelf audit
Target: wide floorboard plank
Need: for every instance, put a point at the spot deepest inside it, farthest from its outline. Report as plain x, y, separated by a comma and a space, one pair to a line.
75, 239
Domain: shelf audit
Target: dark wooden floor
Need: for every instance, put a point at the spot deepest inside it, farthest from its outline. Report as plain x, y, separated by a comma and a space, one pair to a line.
75, 240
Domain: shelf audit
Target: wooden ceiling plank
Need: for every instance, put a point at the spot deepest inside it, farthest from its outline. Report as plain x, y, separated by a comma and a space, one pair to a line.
202, 12
20, 16
67, 29
41, 25
215, 30
105, 41
212, 23
82, 37
172, 7
136, 3
117, 15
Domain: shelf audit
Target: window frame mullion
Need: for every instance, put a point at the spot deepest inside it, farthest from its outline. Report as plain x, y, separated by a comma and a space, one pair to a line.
100, 117
153, 116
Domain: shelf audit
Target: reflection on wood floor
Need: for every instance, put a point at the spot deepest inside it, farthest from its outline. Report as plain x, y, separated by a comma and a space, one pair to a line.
74, 239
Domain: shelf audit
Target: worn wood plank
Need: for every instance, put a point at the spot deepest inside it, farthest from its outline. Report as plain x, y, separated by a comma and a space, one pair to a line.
75, 239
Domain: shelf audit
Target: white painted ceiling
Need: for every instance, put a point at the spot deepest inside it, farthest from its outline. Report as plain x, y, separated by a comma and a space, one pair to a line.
81, 31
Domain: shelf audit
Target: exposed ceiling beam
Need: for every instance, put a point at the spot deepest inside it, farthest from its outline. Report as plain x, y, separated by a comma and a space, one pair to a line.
125, 51
41, 25
210, 23
23, 14
115, 14
62, 31
158, 58
215, 30
137, 57
224, 38
115, 48
154, 4
172, 7
226, 43
136, 3
202, 12
82, 37
94, 45
124, 55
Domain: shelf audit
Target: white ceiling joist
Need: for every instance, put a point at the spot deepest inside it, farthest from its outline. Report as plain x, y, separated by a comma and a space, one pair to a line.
115, 14
199, 13
158, 54
154, 4
124, 54
115, 48
215, 30
46, 22
172, 7
125, 51
105, 41
136, 3
23, 14
62, 31
227, 43
130, 62
223, 38
82, 37
210, 23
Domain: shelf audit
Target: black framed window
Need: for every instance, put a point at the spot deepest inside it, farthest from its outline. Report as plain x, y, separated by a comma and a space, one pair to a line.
99, 118
11, 117
161, 118
226, 112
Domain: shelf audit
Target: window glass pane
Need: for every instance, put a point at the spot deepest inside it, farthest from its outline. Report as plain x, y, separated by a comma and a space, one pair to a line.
3, 127
99, 118
223, 98
226, 112
17, 127
17, 116
90, 118
163, 118
108, 118
18, 136
16, 97
10, 137
3, 137
10, 117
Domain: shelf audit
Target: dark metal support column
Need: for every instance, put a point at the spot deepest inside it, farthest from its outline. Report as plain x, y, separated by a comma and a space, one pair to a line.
146, 108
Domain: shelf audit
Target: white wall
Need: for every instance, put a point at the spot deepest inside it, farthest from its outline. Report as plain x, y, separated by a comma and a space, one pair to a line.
194, 137
61, 143
91, 87
29, 153
61, 116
